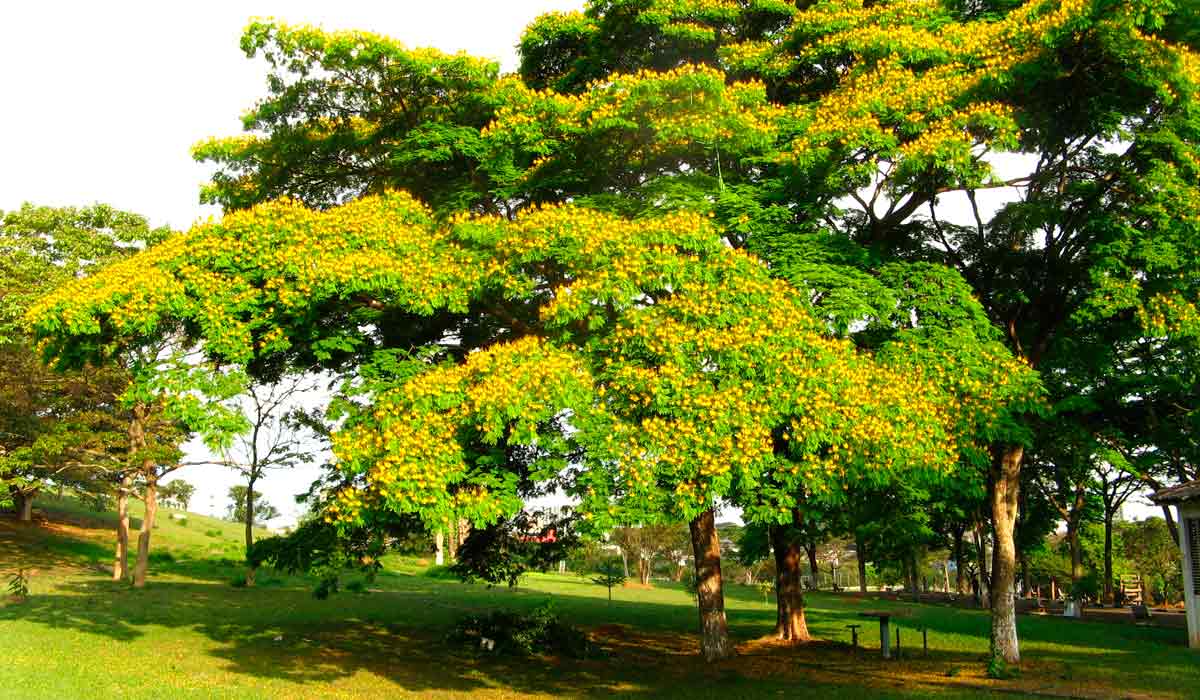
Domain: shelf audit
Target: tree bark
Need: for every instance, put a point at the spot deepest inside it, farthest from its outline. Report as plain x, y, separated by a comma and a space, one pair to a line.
710, 596
250, 528
985, 577
643, 571
439, 549
150, 499
1076, 553
860, 553
914, 567
1026, 588
121, 562
1003, 487
790, 620
1109, 594
811, 549
1172, 528
25, 501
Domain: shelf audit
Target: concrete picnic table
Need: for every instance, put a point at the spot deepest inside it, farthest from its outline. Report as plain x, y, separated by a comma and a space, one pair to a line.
885, 639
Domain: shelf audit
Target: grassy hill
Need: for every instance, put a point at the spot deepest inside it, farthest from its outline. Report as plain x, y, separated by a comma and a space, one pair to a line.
191, 634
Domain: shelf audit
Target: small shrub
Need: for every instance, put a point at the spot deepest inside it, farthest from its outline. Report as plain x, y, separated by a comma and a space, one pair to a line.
213, 533
539, 631
18, 585
238, 581
356, 587
1000, 670
610, 573
162, 558
441, 572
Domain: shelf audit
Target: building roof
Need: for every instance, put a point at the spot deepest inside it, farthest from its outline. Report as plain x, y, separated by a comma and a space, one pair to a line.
1189, 491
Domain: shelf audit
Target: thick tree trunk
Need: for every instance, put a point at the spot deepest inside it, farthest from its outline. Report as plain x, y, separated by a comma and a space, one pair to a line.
150, 499
790, 621
1003, 488
710, 596
439, 549
121, 562
643, 571
860, 553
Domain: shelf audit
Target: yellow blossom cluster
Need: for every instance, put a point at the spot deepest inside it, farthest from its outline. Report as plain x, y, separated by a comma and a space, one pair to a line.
410, 449
685, 107
688, 372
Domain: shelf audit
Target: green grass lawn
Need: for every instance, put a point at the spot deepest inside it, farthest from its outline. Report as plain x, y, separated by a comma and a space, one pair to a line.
192, 634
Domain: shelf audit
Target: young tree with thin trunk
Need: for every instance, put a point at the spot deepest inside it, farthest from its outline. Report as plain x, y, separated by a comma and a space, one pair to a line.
274, 441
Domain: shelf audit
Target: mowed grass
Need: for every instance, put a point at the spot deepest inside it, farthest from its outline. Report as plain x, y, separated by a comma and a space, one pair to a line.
192, 634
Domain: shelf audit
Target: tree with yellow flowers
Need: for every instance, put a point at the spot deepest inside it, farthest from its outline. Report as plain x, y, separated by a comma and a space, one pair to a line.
687, 373
830, 139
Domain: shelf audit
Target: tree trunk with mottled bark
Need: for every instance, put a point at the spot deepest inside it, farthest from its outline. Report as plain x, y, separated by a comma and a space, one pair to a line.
710, 596
1003, 489
790, 621
121, 562
150, 499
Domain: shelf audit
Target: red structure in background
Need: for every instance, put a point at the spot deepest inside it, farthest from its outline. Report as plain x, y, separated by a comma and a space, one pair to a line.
548, 535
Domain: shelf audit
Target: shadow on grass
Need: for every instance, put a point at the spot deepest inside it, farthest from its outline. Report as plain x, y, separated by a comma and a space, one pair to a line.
399, 635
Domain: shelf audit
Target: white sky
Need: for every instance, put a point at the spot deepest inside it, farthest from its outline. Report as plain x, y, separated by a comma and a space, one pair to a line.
103, 100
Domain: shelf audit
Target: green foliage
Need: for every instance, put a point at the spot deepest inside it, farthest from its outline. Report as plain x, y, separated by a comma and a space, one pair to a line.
177, 492
236, 511
609, 573
1153, 554
539, 631
18, 585
503, 552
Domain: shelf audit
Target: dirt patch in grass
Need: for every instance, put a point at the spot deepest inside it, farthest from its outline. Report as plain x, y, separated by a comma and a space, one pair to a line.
836, 663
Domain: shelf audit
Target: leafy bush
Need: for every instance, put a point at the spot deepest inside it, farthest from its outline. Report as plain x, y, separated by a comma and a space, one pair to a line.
998, 669
502, 552
162, 558
213, 533
18, 585
539, 631
357, 587
441, 572
609, 573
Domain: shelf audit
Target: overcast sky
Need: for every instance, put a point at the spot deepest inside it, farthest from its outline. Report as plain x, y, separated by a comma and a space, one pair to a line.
103, 101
